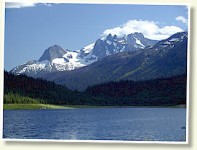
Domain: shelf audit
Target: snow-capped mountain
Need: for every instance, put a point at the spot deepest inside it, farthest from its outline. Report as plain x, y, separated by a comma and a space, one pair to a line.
165, 59
112, 44
53, 59
171, 41
56, 58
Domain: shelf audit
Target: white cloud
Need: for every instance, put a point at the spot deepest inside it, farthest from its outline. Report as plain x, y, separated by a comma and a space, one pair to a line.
47, 4
182, 19
23, 4
19, 4
149, 29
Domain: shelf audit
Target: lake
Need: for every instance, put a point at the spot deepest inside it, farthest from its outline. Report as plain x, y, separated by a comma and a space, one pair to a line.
127, 124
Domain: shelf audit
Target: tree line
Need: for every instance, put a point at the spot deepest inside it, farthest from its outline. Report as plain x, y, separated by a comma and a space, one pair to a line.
163, 91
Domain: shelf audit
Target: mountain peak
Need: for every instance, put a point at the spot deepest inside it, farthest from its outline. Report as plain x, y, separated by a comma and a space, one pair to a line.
52, 52
115, 36
109, 37
55, 48
136, 34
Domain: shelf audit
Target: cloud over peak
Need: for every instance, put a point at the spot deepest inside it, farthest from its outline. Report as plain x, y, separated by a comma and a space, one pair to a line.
149, 29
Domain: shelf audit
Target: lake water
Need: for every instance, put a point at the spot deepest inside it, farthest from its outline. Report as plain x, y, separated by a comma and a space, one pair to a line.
128, 124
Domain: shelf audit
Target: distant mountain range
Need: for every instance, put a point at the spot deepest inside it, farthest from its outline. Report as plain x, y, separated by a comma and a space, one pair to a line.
132, 57
55, 58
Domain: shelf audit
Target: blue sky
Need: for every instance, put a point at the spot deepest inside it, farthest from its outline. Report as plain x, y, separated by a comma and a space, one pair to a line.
31, 28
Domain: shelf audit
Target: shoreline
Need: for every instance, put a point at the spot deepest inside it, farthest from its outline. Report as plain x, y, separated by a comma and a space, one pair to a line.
51, 106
